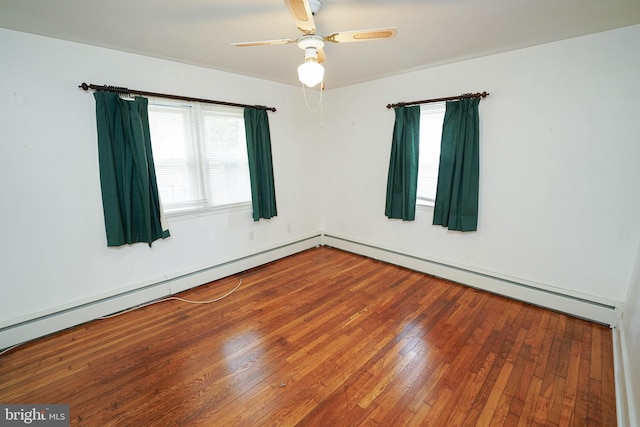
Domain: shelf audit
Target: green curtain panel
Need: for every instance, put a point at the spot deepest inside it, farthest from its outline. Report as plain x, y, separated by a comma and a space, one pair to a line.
263, 191
402, 181
456, 205
127, 174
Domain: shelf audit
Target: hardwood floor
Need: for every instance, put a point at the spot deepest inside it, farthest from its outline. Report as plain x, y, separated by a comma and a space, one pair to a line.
324, 338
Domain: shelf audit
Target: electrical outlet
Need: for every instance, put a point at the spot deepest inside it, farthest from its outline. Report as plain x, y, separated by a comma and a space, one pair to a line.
251, 235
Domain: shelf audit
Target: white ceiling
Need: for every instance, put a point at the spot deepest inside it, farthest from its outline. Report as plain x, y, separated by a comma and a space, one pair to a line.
430, 32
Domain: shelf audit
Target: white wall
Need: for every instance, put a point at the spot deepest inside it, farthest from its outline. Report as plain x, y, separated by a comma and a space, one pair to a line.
53, 252
559, 178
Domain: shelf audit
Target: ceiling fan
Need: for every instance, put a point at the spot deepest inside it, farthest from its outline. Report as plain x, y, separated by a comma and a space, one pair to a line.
311, 72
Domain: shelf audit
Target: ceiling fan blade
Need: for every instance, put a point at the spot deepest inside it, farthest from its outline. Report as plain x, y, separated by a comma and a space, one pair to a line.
321, 56
362, 35
301, 12
264, 43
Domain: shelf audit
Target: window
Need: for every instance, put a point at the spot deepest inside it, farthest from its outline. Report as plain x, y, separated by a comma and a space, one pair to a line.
431, 119
200, 155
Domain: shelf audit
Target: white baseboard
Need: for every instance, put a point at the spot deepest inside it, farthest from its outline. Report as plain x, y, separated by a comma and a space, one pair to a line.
579, 305
40, 324
56, 319
626, 403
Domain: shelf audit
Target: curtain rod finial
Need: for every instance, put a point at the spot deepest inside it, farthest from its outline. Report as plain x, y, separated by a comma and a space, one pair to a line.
262, 107
84, 86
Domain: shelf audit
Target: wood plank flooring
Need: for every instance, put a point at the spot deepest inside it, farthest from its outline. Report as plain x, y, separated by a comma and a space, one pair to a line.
324, 338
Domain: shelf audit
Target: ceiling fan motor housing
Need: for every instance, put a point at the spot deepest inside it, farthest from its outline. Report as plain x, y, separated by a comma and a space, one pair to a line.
311, 41
314, 5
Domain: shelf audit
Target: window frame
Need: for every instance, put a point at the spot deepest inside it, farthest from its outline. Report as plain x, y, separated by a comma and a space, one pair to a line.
202, 204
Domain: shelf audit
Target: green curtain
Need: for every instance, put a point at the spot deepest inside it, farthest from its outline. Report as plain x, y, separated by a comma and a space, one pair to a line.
263, 192
402, 181
456, 205
130, 198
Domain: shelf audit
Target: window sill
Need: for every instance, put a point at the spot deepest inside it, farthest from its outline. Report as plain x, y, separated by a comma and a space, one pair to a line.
212, 210
425, 206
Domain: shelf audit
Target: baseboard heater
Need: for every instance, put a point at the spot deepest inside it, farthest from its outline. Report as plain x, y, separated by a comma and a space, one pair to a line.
583, 306
75, 313
37, 325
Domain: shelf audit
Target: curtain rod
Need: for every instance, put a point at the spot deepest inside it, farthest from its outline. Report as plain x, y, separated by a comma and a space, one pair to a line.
450, 98
125, 91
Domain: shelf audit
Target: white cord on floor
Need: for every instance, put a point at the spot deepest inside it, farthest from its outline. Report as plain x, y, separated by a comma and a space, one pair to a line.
6, 350
174, 298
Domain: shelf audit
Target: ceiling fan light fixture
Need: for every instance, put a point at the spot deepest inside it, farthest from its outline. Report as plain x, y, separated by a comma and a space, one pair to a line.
310, 73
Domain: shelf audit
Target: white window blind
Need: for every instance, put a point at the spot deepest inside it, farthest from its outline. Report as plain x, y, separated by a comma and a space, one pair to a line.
431, 120
226, 168
200, 155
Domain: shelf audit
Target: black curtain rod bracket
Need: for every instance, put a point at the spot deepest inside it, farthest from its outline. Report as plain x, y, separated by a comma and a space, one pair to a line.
450, 98
126, 91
